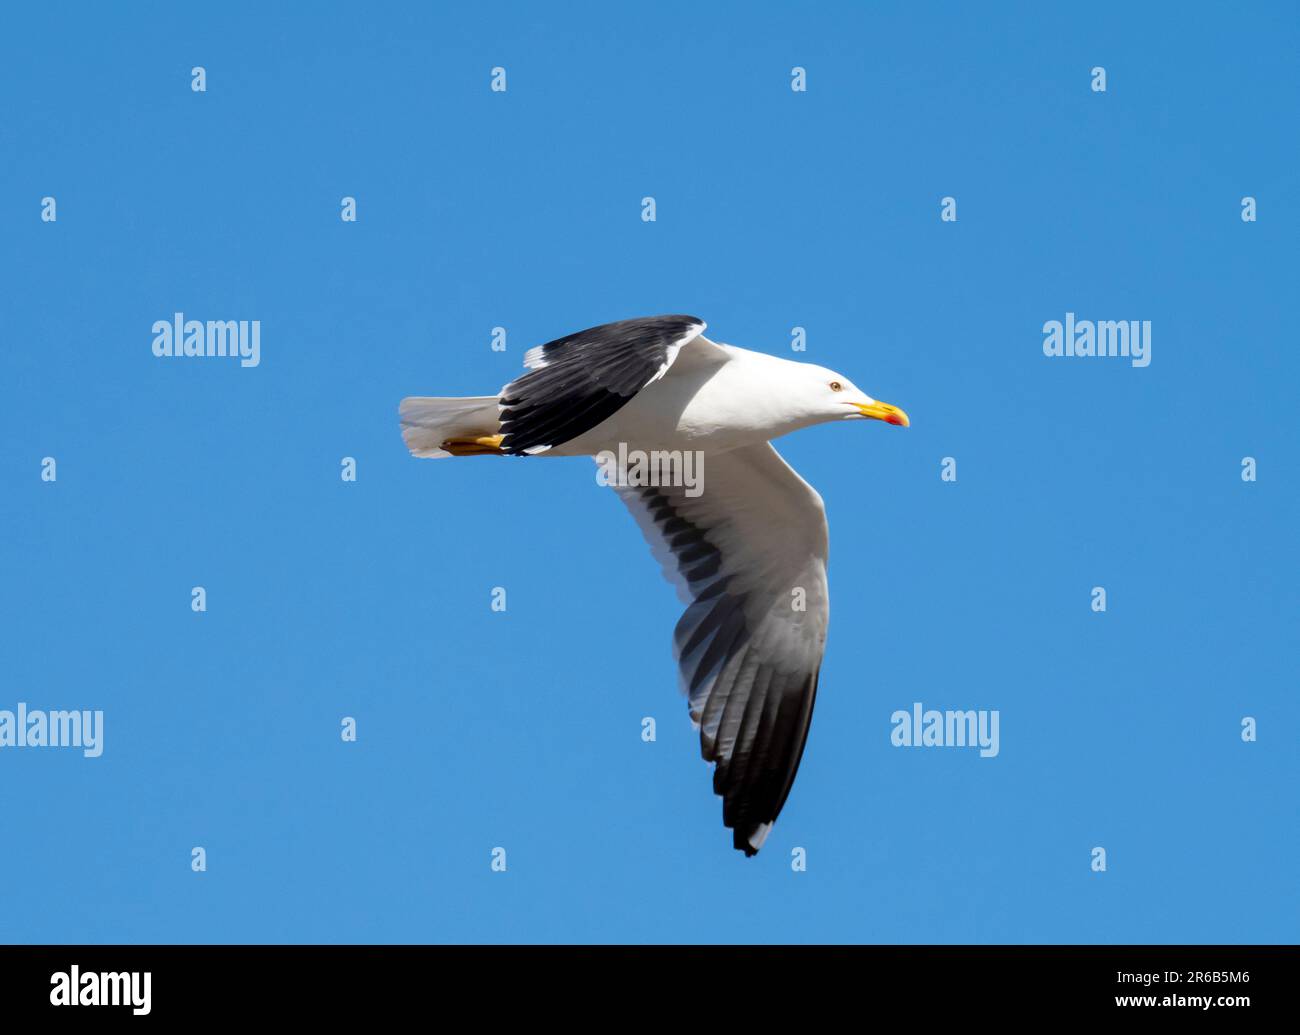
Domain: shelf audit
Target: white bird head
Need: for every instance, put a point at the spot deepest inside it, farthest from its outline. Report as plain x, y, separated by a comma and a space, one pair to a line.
831, 396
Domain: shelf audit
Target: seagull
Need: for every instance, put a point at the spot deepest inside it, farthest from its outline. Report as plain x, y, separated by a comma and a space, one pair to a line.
746, 548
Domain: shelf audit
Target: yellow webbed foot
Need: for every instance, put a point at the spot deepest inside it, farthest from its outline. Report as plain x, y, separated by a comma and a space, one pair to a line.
487, 445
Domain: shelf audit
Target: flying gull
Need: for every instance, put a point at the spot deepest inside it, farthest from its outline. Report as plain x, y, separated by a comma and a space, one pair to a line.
746, 549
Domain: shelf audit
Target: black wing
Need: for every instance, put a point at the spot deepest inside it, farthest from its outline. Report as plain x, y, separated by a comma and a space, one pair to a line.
580, 380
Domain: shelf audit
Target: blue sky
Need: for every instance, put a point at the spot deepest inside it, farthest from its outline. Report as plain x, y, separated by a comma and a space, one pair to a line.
521, 729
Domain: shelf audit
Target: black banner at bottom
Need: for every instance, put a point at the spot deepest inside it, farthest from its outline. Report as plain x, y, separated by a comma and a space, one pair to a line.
152, 984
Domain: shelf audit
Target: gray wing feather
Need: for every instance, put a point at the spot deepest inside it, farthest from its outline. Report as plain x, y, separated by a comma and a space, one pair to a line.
748, 658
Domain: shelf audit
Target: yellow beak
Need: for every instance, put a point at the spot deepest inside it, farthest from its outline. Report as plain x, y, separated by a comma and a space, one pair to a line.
883, 411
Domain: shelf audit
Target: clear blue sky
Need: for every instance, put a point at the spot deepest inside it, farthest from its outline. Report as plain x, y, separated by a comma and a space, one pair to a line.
775, 209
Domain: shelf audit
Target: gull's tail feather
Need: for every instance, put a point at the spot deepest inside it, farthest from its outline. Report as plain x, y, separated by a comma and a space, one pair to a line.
429, 425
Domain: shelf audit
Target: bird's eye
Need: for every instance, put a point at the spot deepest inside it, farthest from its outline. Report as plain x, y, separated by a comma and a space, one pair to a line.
836, 386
